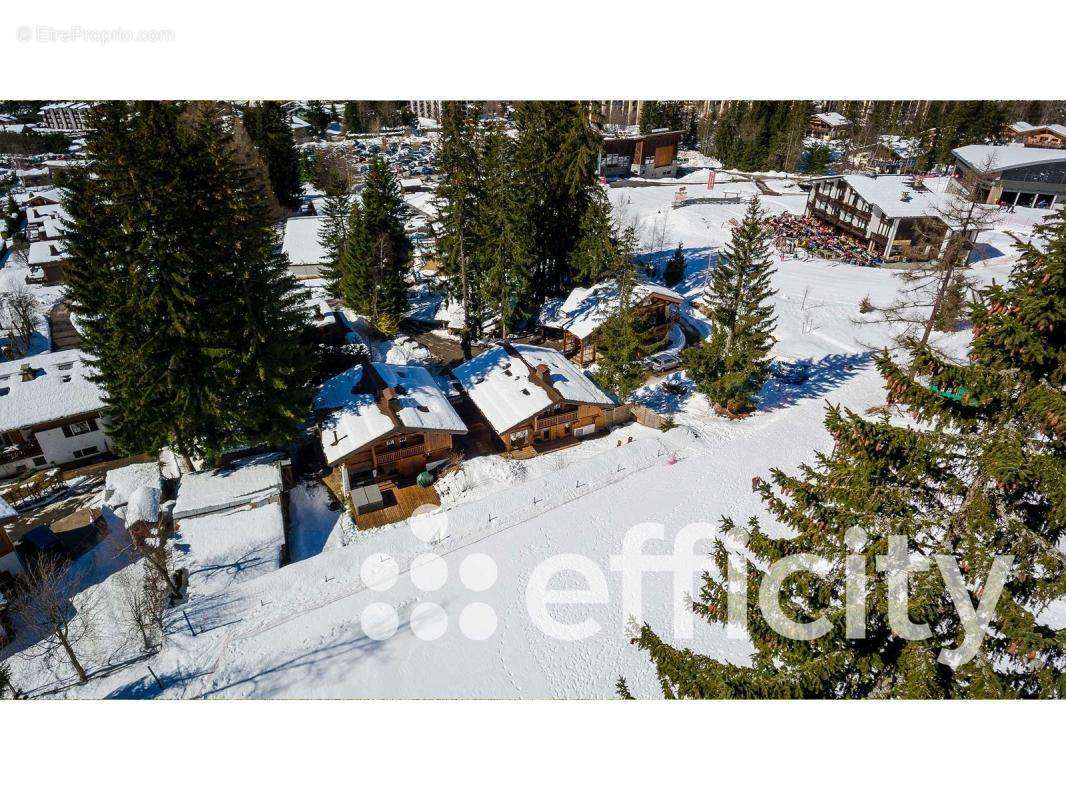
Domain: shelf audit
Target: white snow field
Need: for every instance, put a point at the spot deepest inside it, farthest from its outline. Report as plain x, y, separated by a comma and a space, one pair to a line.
436, 607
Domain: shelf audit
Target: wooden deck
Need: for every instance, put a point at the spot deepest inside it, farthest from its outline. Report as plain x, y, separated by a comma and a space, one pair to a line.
400, 503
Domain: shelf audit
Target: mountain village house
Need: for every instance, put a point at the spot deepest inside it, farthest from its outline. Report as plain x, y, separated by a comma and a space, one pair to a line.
653, 155
579, 317
1049, 136
1011, 175
51, 413
383, 421
534, 395
829, 125
897, 216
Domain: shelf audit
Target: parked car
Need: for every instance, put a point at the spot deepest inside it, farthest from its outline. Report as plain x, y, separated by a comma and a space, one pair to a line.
663, 362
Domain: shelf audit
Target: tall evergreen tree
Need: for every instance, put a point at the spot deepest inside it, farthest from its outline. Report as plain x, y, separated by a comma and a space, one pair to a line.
373, 266
618, 340
269, 128
190, 316
980, 476
459, 198
353, 119
502, 255
731, 368
593, 257
337, 211
555, 167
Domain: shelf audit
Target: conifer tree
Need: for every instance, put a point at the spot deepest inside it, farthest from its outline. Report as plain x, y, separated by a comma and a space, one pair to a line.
675, 267
377, 253
459, 197
555, 166
333, 236
979, 477
593, 257
502, 255
731, 367
191, 318
270, 131
618, 340
353, 120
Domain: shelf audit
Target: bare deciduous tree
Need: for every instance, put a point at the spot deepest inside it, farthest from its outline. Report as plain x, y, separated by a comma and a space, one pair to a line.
930, 287
144, 598
20, 312
44, 606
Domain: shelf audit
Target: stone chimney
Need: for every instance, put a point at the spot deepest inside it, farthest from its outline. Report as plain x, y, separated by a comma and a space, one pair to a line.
28, 372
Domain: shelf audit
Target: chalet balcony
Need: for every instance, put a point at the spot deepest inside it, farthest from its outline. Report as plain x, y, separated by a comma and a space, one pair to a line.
558, 419
390, 456
17, 452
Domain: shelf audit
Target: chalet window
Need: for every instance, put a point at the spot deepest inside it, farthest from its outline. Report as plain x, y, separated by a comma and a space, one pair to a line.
86, 451
79, 428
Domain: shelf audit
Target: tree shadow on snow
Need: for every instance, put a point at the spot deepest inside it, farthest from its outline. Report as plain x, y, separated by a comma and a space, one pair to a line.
823, 376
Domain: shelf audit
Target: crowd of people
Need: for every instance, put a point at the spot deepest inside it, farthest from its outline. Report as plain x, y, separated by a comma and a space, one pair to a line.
809, 238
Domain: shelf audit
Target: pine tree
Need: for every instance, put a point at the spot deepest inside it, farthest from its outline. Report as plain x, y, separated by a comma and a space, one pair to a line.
818, 158
731, 368
593, 257
333, 236
459, 196
377, 253
980, 476
555, 167
270, 131
618, 340
675, 267
191, 317
502, 253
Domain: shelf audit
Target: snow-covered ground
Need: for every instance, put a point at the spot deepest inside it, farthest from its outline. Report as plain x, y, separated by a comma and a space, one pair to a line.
439, 606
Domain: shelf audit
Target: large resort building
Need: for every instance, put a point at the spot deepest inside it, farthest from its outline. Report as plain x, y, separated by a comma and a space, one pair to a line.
896, 216
652, 155
1011, 175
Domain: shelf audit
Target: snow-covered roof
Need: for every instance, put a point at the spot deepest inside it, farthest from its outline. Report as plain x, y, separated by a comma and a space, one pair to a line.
6, 511
566, 378
358, 419
1021, 126
143, 505
832, 119
38, 214
585, 309
420, 403
46, 252
60, 389
120, 484
501, 385
248, 482
994, 158
300, 241
886, 193
234, 546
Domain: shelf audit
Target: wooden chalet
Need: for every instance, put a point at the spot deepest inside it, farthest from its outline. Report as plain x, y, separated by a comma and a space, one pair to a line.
382, 421
533, 395
577, 320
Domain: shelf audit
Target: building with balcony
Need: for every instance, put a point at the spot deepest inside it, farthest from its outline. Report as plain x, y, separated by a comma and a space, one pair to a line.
653, 155
72, 116
1011, 175
1047, 136
51, 413
829, 125
533, 395
382, 421
896, 216
577, 320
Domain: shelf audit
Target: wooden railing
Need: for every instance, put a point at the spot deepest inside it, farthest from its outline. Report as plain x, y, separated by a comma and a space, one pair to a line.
389, 456
558, 419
